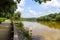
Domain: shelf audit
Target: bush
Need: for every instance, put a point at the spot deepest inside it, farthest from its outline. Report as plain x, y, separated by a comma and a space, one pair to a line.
26, 34
23, 31
19, 24
2, 19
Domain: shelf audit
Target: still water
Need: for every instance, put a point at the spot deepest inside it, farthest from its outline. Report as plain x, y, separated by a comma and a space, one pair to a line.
43, 30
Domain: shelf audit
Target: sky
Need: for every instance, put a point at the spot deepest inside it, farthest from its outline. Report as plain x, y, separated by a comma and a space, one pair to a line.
32, 9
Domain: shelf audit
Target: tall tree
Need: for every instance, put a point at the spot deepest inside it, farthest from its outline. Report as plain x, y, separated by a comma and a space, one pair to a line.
8, 6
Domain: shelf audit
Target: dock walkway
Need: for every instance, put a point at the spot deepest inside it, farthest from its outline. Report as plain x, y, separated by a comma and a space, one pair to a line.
5, 30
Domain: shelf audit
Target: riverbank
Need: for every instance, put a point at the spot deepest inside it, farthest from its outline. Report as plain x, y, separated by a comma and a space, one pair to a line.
18, 35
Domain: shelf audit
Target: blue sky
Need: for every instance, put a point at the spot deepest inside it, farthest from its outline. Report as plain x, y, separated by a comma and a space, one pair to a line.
32, 9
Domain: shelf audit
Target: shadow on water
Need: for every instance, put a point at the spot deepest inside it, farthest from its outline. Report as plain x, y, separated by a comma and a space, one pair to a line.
37, 37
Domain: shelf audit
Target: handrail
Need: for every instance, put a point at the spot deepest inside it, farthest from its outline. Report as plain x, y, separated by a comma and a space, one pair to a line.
11, 31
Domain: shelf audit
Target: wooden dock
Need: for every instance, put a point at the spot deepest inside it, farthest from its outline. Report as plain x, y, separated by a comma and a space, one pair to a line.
6, 31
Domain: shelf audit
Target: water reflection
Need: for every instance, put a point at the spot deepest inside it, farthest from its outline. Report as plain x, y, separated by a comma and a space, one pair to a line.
55, 25
42, 32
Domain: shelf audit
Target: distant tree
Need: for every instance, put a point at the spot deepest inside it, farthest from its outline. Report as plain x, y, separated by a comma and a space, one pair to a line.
40, 1
50, 17
58, 17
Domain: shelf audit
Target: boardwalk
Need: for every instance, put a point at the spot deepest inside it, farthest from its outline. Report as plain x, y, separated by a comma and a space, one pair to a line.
4, 30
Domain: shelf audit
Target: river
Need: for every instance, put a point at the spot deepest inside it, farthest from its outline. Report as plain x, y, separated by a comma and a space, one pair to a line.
40, 31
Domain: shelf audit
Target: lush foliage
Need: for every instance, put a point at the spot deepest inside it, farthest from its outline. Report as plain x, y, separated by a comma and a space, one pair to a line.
19, 24
16, 16
2, 19
7, 7
50, 17
24, 32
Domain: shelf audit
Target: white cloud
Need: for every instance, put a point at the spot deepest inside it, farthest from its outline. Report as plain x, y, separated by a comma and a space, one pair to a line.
19, 9
52, 6
20, 6
27, 15
33, 12
53, 3
47, 8
22, 3
54, 11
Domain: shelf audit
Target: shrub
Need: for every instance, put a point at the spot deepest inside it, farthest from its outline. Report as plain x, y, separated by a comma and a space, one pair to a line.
19, 24
2, 19
24, 32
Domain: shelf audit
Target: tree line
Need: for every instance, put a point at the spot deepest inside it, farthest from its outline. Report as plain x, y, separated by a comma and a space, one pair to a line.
28, 19
50, 17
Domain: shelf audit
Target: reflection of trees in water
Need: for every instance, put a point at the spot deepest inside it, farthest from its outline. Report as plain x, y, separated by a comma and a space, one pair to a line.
37, 37
51, 24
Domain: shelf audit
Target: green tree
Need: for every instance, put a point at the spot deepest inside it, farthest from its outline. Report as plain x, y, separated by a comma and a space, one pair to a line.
50, 17
7, 7
17, 16
58, 17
